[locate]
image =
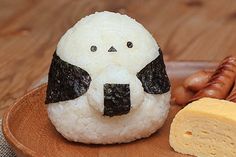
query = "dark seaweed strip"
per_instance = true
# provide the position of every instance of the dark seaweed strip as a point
(116, 99)
(65, 81)
(153, 76)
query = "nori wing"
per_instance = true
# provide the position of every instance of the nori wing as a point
(65, 81)
(116, 99)
(154, 77)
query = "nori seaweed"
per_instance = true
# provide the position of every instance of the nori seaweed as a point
(116, 99)
(112, 49)
(129, 44)
(153, 76)
(65, 81)
(93, 48)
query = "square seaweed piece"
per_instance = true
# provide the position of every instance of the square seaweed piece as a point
(116, 99)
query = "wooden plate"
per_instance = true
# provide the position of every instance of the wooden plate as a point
(30, 133)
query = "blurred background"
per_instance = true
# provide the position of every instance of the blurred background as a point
(30, 29)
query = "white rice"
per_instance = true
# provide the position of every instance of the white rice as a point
(82, 119)
(77, 121)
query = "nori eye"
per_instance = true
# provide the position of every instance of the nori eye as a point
(93, 48)
(129, 44)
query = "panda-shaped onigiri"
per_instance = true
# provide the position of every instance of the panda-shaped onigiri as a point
(107, 81)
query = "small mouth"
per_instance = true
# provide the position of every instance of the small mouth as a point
(112, 49)
(116, 99)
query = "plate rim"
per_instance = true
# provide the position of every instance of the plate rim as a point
(16, 145)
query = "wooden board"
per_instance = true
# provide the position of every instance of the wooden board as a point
(30, 133)
(30, 30)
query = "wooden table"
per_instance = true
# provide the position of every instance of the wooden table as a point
(30, 30)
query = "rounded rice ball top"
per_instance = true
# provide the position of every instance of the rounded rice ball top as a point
(87, 43)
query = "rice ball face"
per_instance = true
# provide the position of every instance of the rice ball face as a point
(107, 81)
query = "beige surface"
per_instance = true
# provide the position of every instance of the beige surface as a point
(30, 29)
(5, 149)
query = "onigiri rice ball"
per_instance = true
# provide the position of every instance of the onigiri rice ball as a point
(107, 81)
